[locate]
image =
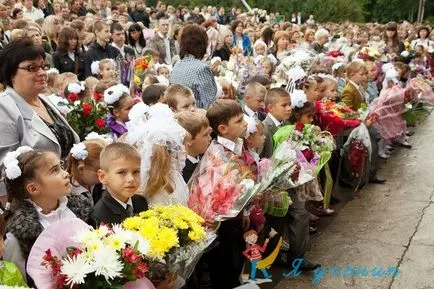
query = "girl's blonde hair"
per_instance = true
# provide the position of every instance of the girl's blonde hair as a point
(159, 172)
(104, 62)
(48, 26)
(94, 149)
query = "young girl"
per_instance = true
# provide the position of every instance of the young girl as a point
(338, 72)
(53, 76)
(310, 88)
(163, 70)
(331, 90)
(260, 48)
(38, 187)
(82, 166)
(372, 88)
(104, 69)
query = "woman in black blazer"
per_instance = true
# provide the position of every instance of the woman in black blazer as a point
(68, 57)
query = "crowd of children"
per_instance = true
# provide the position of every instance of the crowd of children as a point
(157, 137)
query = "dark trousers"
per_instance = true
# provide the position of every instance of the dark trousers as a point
(226, 261)
(296, 223)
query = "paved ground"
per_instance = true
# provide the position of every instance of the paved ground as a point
(386, 226)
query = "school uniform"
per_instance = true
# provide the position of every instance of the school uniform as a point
(93, 196)
(271, 125)
(190, 165)
(109, 210)
(259, 115)
(352, 96)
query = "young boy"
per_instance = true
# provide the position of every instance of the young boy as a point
(120, 173)
(180, 98)
(352, 95)
(254, 100)
(154, 94)
(226, 118)
(278, 103)
(197, 140)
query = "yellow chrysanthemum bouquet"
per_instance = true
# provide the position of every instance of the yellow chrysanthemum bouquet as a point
(176, 236)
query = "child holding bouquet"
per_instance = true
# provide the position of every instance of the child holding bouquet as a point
(38, 187)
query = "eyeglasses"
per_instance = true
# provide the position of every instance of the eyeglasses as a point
(35, 68)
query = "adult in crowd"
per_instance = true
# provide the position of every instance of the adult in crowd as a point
(100, 49)
(240, 39)
(47, 7)
(78, 26)
(118, 37)
(282, 44)
(321, 38)
(27, 118)
(76, 8)
(136, 39)
(309, 37)
(50, 32)
(33, 32)
(422, 38)
(190, 70)
(68, 56)
(394, 46)
(140, 14)
(224, 50)
(163, 42)
(267, 36)
(31, 12)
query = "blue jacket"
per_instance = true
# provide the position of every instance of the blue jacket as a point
(247, 45)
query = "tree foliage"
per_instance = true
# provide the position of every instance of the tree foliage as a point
(330, 10)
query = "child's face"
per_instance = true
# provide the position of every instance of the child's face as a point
(186, 104)
(108, 71)
(281, 110)
(121, 113)
(200, 143)
(255, 102)
(256, 140)
(312, 92)
(359, 77)
(164, 71)
(260, 50)
(320, 90)
(88, 174)
(372, 72)
(306, 118)
(235, 128)
(122, 179)
(51, 182)
(331, 90)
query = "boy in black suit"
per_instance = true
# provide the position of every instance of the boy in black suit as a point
(120, 173)
(197, 140)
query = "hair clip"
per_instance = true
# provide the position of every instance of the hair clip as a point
(114, 93)
(12, 169)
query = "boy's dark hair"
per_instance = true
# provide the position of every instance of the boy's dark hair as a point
(221, 111)
(297, 112)
(152, 94)
(116, 151)
(274, 93)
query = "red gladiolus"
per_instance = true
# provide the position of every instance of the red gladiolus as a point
(55, 268)
(308, 154)
(75, 253)
(60, 281)
(48, 257)
(141, 270)
(100, 123)
(97, 96)
(299, 126)
(73, 97)
(130, 256)
(87, 108)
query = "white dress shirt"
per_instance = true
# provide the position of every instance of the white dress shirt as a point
(250, 112)
(121, 49)
(124, 205)
(235, 147)
(193, 160)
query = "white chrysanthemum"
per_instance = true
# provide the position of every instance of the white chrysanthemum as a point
(116, 242)
(298, 98)
(114, 93)
(107, 264)
(12, 171)
(76, 269)
(79, 151)
(74, 87)
(141, 243)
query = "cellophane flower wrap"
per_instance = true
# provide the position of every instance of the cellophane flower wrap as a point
(176, 237)
(222, 185)
(334, 117)
(71, 254)
(85, 116)
(313, 146)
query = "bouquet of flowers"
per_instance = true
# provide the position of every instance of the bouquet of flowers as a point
(176, 239)
(423, 88)
(73, 255)
(313, 146)
(221, 185)
(334, 117)
(299, 57)
(86, 116)
(142, 66)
